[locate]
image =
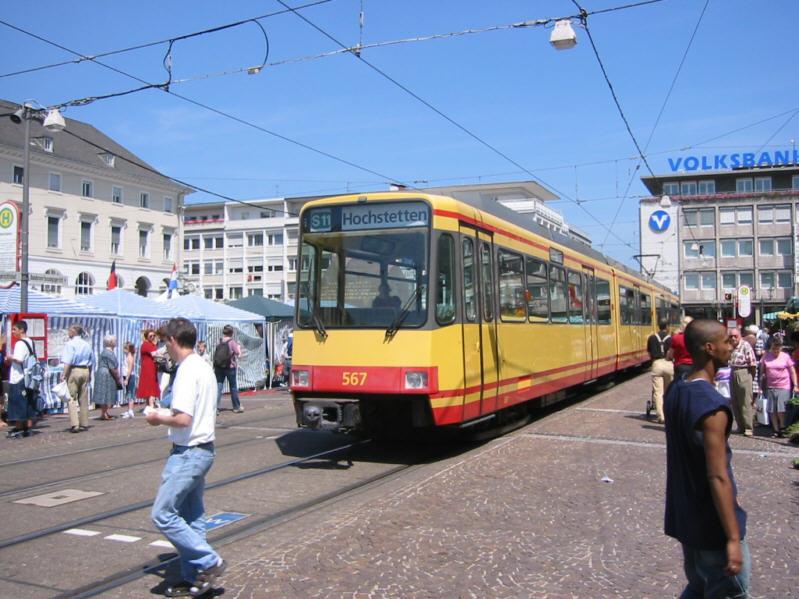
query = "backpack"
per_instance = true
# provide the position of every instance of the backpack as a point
(663, 343)
(222, 355)
(32, 369)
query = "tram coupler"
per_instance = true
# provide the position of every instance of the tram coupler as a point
(322, 414)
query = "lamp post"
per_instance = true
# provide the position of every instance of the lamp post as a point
(52, 121)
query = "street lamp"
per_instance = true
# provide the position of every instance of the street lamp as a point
(52, 121)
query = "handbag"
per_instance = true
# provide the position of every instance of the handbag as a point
(61, 391)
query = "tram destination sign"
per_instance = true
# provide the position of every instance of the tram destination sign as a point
(364, 217)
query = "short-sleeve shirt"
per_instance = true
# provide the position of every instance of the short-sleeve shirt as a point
(691, 515)
(679, 351)
(21, 352)
(194, 393)
(743, 355)
(77, 352)
(658, 344)
(777, 370)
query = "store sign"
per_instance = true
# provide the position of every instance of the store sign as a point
(659, 221)
(744, 301)
(9, 236)
(716, 162)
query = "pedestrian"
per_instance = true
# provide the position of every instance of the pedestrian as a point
(678, 353)
(778, 379)
(148, 377)
(178, 507)
(165, 367)
(658, 346)
(225, 360)
(21, 408)
(202, 351)
(3, 381)
(129, 376)
(702, 510)
(107, 381)
(743, 364)
(78, 360)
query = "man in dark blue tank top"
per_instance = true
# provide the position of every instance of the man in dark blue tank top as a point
(702, 510)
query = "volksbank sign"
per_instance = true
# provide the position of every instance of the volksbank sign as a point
(716, 162)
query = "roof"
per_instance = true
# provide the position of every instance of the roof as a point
(195, 307)
(70, 148)
(47, 304)
(268, 308)
(126, 303)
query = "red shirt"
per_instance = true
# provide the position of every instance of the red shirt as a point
(680, 352)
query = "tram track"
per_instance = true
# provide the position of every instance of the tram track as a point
(132, 507)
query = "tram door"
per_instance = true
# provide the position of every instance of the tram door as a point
(479, 326)
(590, 319)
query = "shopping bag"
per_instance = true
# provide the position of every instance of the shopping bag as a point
(761, 411)
(61, 391)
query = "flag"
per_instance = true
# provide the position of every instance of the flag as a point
(112, 278)
(173, 282)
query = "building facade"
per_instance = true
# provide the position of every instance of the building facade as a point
(233, 250)
(723, 230)
(90, 207)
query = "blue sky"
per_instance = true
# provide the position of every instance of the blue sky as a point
(549, 111)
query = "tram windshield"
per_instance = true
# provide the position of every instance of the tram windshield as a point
(367, 277)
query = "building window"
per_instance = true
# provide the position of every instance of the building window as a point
(692, 281)
(55, 182)
(782, 214)
(745, 247)
(168, 248)
(236, 293)
(87, 188)
(743, 214)
(784, 247)
(708, 280)
(688, 188)
(144, 199)
(116, 239)
(762, 183)
(85, 236)
(19, 175)
(275, 239)
(728, 248)
(84, 284)
(235, 240)
(728, 280)
(267, 213)
(746, 278)
(144, 243)
(766, 280)
(795, 182)
(727, 216)
(116, 195)
(52, 287)
(292, 265)
(255, 239)
(257, 291)
(53, 231)
(191, 243)
(785, 280)
(168, 204)
(46, 143)
(704, 217)
(671, 189)
(743, 185)
(214, 243)
(108, 159)
(766, 247)
(699, 249)
(274, 267)
(707, 187)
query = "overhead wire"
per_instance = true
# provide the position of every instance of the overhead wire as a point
(446, 117)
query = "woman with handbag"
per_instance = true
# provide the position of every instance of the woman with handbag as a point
(107, 381)
(779, 377)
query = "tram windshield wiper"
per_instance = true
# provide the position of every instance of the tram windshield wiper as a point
(403, 313)
(318, 325)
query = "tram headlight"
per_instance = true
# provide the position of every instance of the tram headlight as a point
(300, 378)
(415, 379)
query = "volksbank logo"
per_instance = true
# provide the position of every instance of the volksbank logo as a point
(659, 221)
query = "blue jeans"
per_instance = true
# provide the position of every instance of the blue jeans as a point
(230, 375)
(178, 508)
(706, 578)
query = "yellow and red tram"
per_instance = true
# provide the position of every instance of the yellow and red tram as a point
(417, 310)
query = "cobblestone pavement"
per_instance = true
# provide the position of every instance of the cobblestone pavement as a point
(527, 515)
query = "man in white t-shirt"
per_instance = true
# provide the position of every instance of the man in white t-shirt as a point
(20, 409)
(178, 508)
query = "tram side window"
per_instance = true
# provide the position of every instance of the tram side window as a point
(575, 297)
(445, 292)
(511, 288)
(590, 298)
(306, 291)
(557, 293)
(603, 315)
(537, 290)
(469, 297)
(646, 308)
(637, 307)
(662, 309)
(626, 304)
(487, 282)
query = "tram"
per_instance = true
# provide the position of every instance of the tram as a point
(419, 311)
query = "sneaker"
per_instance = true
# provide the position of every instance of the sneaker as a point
(206, 578)
(238, 410)
(748, 433)
(182, 589)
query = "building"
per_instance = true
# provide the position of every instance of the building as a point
(237, 249)
(722, 230)
(90, 207)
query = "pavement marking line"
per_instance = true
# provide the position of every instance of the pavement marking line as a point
(601, 441)
(164, 544)
(82, 532)
(638, 412)
(122, 538)
(57, 498)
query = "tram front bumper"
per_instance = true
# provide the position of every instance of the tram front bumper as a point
(326, 414)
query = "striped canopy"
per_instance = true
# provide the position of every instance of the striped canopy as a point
(45, 304)
(129, 304)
